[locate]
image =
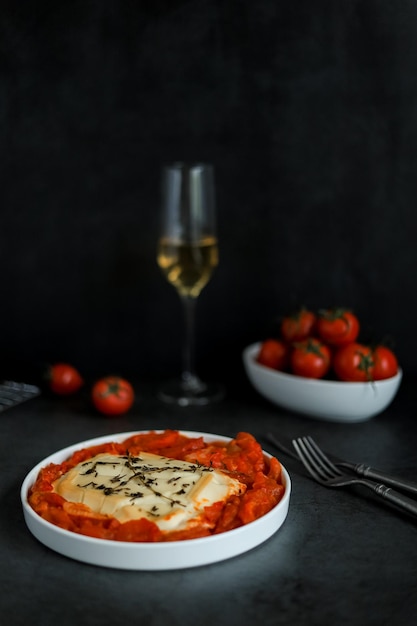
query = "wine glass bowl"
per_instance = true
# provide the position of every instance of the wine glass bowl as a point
(188, 266)
(187, 255)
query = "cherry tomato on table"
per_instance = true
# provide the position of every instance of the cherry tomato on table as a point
(354, 363)
(310, 358)
(298, 326)
(273, 353)
(64, 379)
(337, 326)
(385, 363)
(112, 395)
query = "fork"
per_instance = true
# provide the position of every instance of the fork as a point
(326, 473)
(358, 468)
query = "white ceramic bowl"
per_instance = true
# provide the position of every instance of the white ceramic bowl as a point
(150, 556)
(328, 400)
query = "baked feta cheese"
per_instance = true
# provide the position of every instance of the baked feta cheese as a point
(168, 492)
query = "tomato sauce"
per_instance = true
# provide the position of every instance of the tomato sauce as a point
(241, 457)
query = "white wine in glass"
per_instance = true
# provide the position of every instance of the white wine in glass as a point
(187, 255)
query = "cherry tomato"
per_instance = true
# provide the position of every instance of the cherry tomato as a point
(298, 326)
(310, 358)
(64, 379)
(354, 363)
(337, 327)
(112, 395)
(273, 353)
(385, 363)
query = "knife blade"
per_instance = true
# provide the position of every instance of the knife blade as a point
(358, 468)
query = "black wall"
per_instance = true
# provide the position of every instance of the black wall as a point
(308, 111)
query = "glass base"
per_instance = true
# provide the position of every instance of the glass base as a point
(191, 392)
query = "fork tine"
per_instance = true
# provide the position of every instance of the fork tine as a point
(306, 459)
(314, 459)
(321, 457)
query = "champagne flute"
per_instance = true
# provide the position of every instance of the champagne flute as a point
(187, 255)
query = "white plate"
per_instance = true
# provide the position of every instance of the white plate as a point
(150, 556)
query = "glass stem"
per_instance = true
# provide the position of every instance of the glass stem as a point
(189, 305)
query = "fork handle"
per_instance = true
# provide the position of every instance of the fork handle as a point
(393, 496)
(374, 474)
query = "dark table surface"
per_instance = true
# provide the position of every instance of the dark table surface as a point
(341, 557)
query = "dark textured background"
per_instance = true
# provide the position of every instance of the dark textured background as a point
(308, 111)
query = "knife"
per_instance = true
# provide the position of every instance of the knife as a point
(359, 468)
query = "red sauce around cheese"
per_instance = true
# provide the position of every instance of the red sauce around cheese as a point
(241, 458)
